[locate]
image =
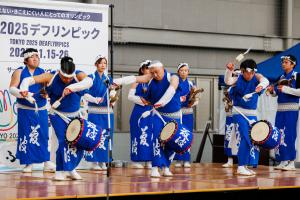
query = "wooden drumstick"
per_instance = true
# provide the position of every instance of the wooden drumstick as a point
(57, 102)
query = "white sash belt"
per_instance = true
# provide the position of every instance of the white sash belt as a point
(175, 115)
(99, 110)
(246, 112)
(288, 107)
(186, 111)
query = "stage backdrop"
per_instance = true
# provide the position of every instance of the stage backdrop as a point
(56, 29)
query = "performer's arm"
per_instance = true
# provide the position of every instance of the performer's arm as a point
(229, 79)
(14, 82)
(92, 99)
(134, 98)
(168, 95)
(289, 90)
(85, 82)
(127, 80)
(263, 82)
(42, 78)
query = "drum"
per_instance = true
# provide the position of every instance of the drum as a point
(176, 137)
(83, 134)
(265, 135)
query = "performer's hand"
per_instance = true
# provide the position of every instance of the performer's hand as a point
(279, 87)
(258, 89)
(24, 93)
(230, 66)
(67, 91)
(99, 100)
(145, 102)
(157, 105)
(270, 89)
(182, 98)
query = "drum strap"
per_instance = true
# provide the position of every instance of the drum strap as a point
(62, 115)
(30, 108)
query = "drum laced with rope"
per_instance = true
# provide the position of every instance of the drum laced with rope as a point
(83, 134)
(176, 137)
(263, 134)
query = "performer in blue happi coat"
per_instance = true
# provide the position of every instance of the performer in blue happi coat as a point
(230, 148)
(246, 83)
(98, 111)
(68, 84)
(164, 94)
(140, 128)
(186, 108)
(287, 113)
(33, 133)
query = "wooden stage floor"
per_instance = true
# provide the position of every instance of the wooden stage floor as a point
(126, 182)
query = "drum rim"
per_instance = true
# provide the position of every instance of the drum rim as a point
(172, 135)
(269, 135)
(80, 133)
(74, 142)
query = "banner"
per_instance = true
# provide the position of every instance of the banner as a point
(56, 29)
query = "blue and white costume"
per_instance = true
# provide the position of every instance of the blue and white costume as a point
(171, 111)
(229, 137)
(141, 130)
(97, 113)
(33, 133)
(187, 114)
(247, 153)
(67, 157)
(286, 121)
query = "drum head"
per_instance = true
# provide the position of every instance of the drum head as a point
(167, 131)
(73, 130)
(260, 131)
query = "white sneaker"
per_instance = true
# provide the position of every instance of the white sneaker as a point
(60, 176)
(242, 170)
(167, 172)
(154, 172)
(148, 165)
(95, 166)
(187, 164)
(289, 167)
(227, 165)
(136, 165)
(178, 164)
(27, 168)
(49, 166)
(252, 171)
(281, 165)
(103, 165)
(74, 175)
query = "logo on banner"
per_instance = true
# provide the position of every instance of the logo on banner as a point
(8, 113)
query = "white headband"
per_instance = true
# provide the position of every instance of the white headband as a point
(67, 75)
(155, 63)
(146, 62)
(250, 69)
(183, 64)
(29, 54)
(99, 57)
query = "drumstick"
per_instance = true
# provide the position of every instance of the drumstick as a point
(249, 121)
(246, 97)
(242, 55)
(57, 102)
